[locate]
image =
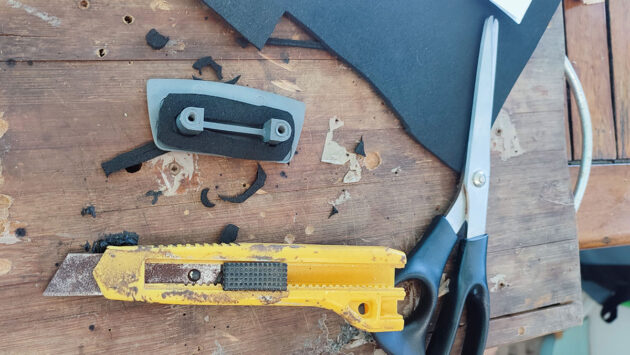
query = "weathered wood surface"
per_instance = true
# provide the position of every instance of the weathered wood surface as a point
(603, 216)
(66, 113)
(619, 12)
(587, 48)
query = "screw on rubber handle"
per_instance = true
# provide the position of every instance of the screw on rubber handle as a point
(425, 263)
(470, 290)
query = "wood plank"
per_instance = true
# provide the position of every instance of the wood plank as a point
(619, 14)
(588, 52)
(194, 29)
(65, 117)
(603, 216)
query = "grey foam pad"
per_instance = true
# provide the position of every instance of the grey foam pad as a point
(253, 276)
(420, 56)
(221, 143)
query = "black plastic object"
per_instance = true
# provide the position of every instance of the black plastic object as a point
(251, 276)
(261, 177)
(136, 156)
(425, 263)
(420, 56)
(229, 234)
(223, 143)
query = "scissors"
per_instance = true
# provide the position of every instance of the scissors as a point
(465, 217)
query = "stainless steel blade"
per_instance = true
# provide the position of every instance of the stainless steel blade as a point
(74, 277)
(476, 177)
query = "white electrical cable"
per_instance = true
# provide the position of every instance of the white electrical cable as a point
(587, 132)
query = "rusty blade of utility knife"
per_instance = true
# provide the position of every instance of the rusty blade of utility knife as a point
(74, 277)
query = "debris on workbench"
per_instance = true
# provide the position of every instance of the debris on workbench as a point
(204, 198)
(229, 234)
(360, 148)
(283, 174)
(155, 39)
(334, 153)
(208, 61)
(194, 77)
(11, 62)
(284, 42)
(372, 160)
(234, 80)
(117, 239)
(89, 211)
(333, 211)
(131, 158)
(155, 194)
(261, 176)
(20, 232)
(343, 198)
(396, 170)
(86, 246)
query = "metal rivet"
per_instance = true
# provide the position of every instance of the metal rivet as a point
(194, 275)
(479, 178)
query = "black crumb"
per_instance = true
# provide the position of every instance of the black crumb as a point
(333, 212)
(296, 152)
(234, 80)
(261, 177)
(216, 187)
(91, 327)
(277, 186)
(206, 18)
(30, 62)
(285, 57)
(196, 77)
(11, 62)
(242, 41)
(155, 195)
(283, 174)
(204, 198)
(86, 246)
(89, 211)
(208, 61)
(155, 39)
(360, 148)
(229, 234)
(20, 232)
(117, 239)
(57, 264)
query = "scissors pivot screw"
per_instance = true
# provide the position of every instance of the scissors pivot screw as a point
(479, 178)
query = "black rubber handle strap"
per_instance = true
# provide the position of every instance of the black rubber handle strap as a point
(468, 290)
(425, 263)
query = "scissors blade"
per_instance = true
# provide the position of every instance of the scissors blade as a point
(476, 176)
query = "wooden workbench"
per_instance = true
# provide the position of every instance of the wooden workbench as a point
(76, 96)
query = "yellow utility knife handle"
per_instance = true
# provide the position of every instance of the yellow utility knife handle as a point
(356, 282)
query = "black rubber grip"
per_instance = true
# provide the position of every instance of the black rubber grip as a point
(252, 276)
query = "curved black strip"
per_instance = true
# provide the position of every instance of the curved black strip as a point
(204, 198)
(261, 176)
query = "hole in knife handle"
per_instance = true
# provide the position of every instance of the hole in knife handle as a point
(363, 308)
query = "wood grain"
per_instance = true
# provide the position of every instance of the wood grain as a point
(588, 52)
(65, 116)
(619, 14)
(603, 215)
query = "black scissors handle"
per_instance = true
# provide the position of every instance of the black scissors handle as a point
(425, 263)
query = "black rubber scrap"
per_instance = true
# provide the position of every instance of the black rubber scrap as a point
(136, 156)
(333, 211)
(229, 234)
(117, 239)
(155, 195)
(89, 211)
(155, 39)
(234, 80)
(204, 198)
(261, 176)
(360, 148)
(208, 62)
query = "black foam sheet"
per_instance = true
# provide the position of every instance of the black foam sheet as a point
(420, 56)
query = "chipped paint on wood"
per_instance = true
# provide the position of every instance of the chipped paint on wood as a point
(309, 230)
(51, 20)
(160, 5)
(498, 282)
(504, 138)
(177, 173)
(275, 62)
(334, 153)
(7, 228)
(286, 85)
(343, 197)
(372, 160)
(5, 266)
